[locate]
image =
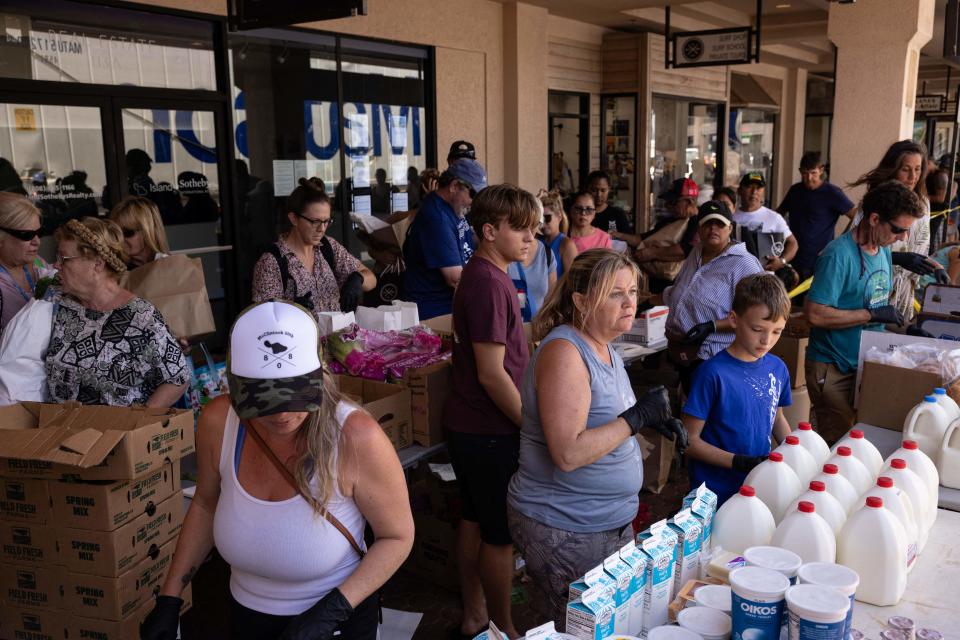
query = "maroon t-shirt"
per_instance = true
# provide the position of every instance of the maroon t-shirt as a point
(485, 309)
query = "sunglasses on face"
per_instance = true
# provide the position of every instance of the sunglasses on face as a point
(316, 224)
(547, 217)
(129, 233)
(897, 230)
(470, 190)
(22, 234)
(584, 210)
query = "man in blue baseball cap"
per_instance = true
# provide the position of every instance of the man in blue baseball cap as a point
(440, 241)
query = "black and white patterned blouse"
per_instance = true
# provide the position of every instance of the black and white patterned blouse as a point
(116, 358)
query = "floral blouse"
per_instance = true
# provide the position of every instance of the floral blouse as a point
(116, 358)
(324, 283)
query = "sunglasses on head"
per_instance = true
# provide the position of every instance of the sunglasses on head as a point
(22, 234)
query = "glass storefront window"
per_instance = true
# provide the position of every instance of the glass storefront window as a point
(619, 157)
(683, 144)
(750, 145)
(569, 116)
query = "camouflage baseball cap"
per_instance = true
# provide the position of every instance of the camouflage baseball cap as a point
(274, 363)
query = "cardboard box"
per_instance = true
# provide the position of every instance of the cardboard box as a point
(126, 629)
(434, 554)
(793, 352)
(799, 411)
(24, 499)
(105, 506)
(32, 586)
(797, 326)
(429, 387)
(649, 327)
(441, 325)
(28, 543)
(941, 300)
(389, 404)
(887, 394)
(940, 327)
(57, 441)
(111, 553)
(33, 624)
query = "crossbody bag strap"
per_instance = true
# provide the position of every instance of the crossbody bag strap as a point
(285, 472)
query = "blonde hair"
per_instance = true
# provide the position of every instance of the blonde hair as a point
(97, 238)
(318, 440)
(16, 212)
(552, 201)
(592, 274)
(142, 215)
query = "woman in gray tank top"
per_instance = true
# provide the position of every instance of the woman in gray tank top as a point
(572, 500)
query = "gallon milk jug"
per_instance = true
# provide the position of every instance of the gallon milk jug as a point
(839, 487)
(910, 483)
(799, 459)
(898, 503)
(873, 544)
(852, 469)
(948, 463)
(926, 423)
(812, 442)
(742, 521)
(806, 534)
(863, 450)
(947, 403)
(827, 507)
(919, 463)
(775, 483)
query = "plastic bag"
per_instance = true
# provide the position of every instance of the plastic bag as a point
(920, 357)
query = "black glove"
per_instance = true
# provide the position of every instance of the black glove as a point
(942, 276)
(351, 293)
(651, 410)
(319, 621)
(700, 332)
(744, 463)
(915, 262)
(887, 314)
(915, 330)
(673, 429)
(163, 621)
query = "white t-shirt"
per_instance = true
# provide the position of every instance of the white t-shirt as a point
(765, 219)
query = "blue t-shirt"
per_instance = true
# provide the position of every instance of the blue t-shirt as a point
(813, 216)
(437, 238)
(738, 403)
(847, 278)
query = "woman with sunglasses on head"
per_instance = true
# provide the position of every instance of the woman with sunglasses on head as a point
(307, 266)
(553, 232)
(20, 266)
(144, 238)
(584, 235)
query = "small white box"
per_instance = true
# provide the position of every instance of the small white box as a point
(649, 327)
(333, 321)
(410, 314)
(383, 318)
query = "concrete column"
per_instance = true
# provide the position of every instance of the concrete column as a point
(878, 52)
(525, 95)
(792, 114)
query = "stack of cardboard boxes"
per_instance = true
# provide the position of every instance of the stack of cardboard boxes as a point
(792, 349)
(90, 510)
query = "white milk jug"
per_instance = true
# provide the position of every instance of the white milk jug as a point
(799, 459)
(948, 462)
(839, 487)
(911, 484)
(852, 469)
(873, 544)
(898, 503)
(863, 450)
(918, 462)
(812, 442)
(775, 483)
(742, 521)
(949, 404)
(827, 507)
(806, 534)
(926, 423)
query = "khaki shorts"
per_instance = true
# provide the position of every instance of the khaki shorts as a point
(831, 394)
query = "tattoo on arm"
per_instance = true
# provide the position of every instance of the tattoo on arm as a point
(188, 576)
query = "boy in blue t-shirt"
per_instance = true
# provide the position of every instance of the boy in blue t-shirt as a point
(736, 397)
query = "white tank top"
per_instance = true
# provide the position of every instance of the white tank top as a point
(283, 556)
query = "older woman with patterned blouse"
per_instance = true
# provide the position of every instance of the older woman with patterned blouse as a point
(107, 346)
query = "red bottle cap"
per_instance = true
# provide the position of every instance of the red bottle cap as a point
(910, 445)
(856, 433)
(898, 463)
(792, 440)
(816, 485)
(831, 469)
(875, 502)
(748, 491)
(885, 482)
(844, 451)
(776, 456)
(805, 426)
(806, 507)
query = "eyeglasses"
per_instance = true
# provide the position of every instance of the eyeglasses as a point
(22, 234)
(129, 233)
(470, 190)
(62, 259)
(897, 230)
(584, 210)
(316, 224)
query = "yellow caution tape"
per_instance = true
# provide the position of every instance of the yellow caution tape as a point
(803, 287)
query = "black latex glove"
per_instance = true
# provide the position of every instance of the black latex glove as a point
(887, 314)
(915, 330)
(673, 429)
(651, 410)
(745, 464)
(351, 293)
(942, 276)
(163, 621)
(915, 262)
(319, 621)
(699, 332)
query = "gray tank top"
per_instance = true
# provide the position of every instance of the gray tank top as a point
(597, 497)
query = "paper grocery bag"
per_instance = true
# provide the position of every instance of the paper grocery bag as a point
(176, 287)
(656, 465)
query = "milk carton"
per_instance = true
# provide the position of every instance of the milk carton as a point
(638, 582)
(668, 538)
(704, 511)
(591, 617)
(595, 577)
(689, 533)
(621, 573)
(657, 596)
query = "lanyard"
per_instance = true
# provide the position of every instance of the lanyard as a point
(30, 283)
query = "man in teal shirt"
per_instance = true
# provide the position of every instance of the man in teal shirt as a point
(851, 292)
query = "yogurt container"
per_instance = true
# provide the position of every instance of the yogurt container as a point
(817, 612)
(672, 632)
(709, 623)
(713, 596)
(843, 579)
(780, 560)
(757, 602)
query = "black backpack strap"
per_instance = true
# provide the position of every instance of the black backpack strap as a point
(549, 254)
(326, 250)
(281, 259)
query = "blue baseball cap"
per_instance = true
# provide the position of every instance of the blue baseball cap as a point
(469, 171)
